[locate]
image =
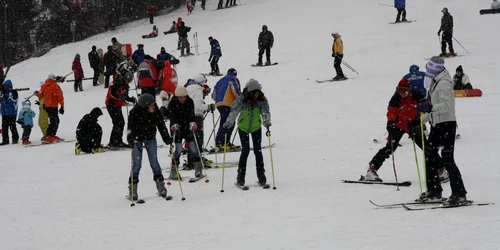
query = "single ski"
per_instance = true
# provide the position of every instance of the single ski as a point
(139, 201)
(468, 204)
(361, 181)
(195, 179)
(332, 80)
(446, 56)
(263, 65)
(408, 21)
(244, 188)
(397, 205)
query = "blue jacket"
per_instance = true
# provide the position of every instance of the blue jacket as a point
(9, 100)
(399, 3)
(226, 90)
(215, 51)
(138, 56)
(416, 79)
(27, 115)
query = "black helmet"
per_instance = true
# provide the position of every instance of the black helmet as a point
(232, 71)
(264, 27)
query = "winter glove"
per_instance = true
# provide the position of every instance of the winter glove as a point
(168, 140)
(391, 127)
(35, 92)
(210, 59)
(424, 108)
(37, 102)
(174, 127)
(61, 111)
(131, 99)
(211, 107)
(193, 126)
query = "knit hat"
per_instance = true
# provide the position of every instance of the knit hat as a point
(434, 66)
(252, 85)
(96, 112)
(404, 83)
(414, 68)
(181, 91)
(145, 100)
(460, 69)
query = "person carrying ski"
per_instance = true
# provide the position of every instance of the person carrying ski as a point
(215, 54)
(109, 60)
(338, 54)
(95, 62)
(447, 29)
(53, 99)
(226, 91)
(183, 126)
(183, 36)
(265, 42)
(116, 98)
(8, 106)
(78, 72)
(461, 80)
(143, 121)
(147, 76)
(400, 5)
(252, 110)
(440, 112)
(402, 118)
(25, 118)
(89, 133)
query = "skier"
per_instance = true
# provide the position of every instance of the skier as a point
(416, 78)
(461, 80)
(109, 60)
(117, 48)
(402, 117)
(265, 42)
(151, 13)
(25, 118)
(226, 91)
(147, 76)
(164, 56)
(143, 121)
(178, 25)
(230, 3)
(203, 3)
(219, 6)
(400, 5)
(495, 4)
(441, 114)
(115, 99)
(183, 126)
(447, 29)
(78, 72)
(89, 133)
(189, 6)
(8, 105)
(338, 54)
(43, 117)
(215, 54)
(95, 61)
(153, 34)
(252, 108)
(53, 99)
(183, 36)
(197, 89)
(168, 80)
(138, 55)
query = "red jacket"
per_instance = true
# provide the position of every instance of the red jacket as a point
(401, 109)
(147, 74)
(77, 69)
(152, 10)
(117, 93)
(168, 75)
(178, 24)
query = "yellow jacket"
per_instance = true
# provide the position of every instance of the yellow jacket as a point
(338, 46)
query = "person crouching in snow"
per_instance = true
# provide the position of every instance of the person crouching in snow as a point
(252, 108)
(25, 118)
(89, 133)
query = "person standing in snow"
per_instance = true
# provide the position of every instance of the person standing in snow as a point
(495, 4)
(117, 48)
(252, 110)
(168, 79)
(226, 91)
(416, 78)
(183, 36)
(53, 99)
(440, 111)
(138, 55)
(178, 25)
(265, 42)
(461, 80)
(147, 76)
(230, 3)
(215, 54)
(25, 118)
(89, 133)
(110, 60)
(115, 99)
(183, 125)
(447, 29)
(95, 61)
(400, 5)
(338, 54)
(143, 121)
(8, 106)
(151, 13)
(78, 72)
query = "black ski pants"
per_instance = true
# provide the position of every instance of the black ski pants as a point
(447, 38)
(26, 132)
(91, 139)
(96, 76)
(401, 11)
(221, 2)
(266, 49)
(442, 137)
(214, 64)
(118, 124)
(9, 122)
(78, 85)
(336, 65)
(53, 121)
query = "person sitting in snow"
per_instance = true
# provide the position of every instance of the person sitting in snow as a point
(461, 80)
(89, 133)
(152, 34)
(172, 29)
(25, 118)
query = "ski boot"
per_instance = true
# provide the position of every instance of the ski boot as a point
(259, 63)
(174, 172)
(78, 149)
(98, 149)
(132, 190)
(452, 53)
(160, 186)
(371, 174)
(198, 169)
(240, 178)
(456, 200)
(261, 175)
(427, 197)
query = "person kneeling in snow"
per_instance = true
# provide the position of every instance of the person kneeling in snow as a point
(89, 133)
(461, 80)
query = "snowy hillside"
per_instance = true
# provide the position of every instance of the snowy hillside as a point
(52, 199)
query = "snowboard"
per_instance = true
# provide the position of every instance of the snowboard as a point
(101, 74)
(263, 65)
(468, 93)
(489, 11)
(408, 21)
(446, 56)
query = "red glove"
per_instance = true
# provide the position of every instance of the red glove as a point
(192, 126)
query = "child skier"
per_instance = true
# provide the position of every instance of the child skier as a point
(25, 118)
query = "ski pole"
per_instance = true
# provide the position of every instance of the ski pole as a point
(215, 141)
(394, 163)
(223, 163)
(460, 44)
(234, 137)
(213, 130)
(416, 161)
(387, 5)
(201, 158)
(268, 134)
(349, 66)
(423, 149)
(131, 195)
(172, 152)
(27, 98)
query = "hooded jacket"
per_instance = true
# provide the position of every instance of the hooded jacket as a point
(88, 125)
(442, 98)
(9, 100)
(26, 114)
(226, 90)
(52, 94)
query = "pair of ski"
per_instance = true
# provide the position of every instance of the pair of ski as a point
(332, 80)
(246, 188)
(142, 201)
(363, 181)
(45, 143)
(440, 205)
(212, 149)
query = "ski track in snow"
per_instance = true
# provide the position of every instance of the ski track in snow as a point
(52, 199)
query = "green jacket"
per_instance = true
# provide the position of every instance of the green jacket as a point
(251, 115)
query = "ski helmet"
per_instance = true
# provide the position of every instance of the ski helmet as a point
(200, 78)
(232, 71)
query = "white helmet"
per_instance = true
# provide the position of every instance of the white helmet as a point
(200, 78)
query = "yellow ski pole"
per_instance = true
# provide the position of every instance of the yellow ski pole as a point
(223, 162)
(423, 149)
(172, 152)
(416, 161)
(268, 134)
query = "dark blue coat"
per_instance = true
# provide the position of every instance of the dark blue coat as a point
(416, 79)
(9, 100)
(399, 3)
(215, 51)
(138, 56)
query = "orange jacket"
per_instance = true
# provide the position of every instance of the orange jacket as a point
(52, 94)
(169, 78)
